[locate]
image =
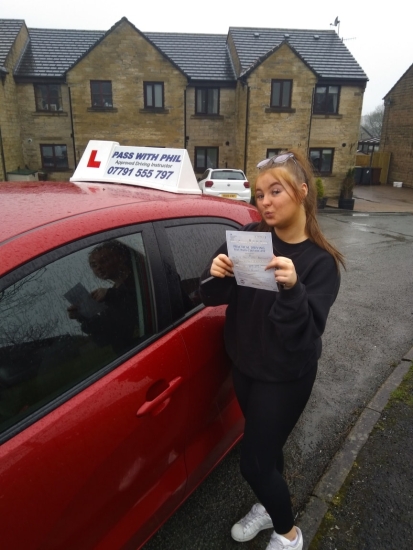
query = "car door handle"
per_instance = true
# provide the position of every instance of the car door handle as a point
(149, 406)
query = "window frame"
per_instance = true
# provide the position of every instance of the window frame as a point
(321, 149)
(277, 151)
(161, 301)
(39, 97)
(146, 87)
(325, 110)
(100, 94)
(177, 306)
(203, 168)
(281, 81)
(55, 168)
(207, 90)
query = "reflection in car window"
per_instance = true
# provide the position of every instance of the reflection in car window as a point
(192, 246)
(70, 319)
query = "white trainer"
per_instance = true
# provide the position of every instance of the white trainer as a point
(250, 525)
(278, 542)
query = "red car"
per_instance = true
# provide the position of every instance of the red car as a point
(115, 391)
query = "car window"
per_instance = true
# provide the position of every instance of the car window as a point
(68, 320)
(227, 175)
(192, 247)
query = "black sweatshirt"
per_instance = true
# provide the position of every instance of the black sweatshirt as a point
(276, 336)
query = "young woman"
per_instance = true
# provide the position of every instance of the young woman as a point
(274, 338)
(117, 323)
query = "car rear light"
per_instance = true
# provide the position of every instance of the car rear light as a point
(246, 184)
(209, 183)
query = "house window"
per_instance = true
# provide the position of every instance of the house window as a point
(326, 99)
(281, 93)
(322, 160)
(54, 157)
(207, 101)
(48, 97)
(206, 157)
(368, 147)
(153, 95)
(272, 153)
(101, 92)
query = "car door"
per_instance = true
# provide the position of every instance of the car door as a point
(216, 422)
(93, 400)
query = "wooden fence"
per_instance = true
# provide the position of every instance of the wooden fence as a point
(376, 160)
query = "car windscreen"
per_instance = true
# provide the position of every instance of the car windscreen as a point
(227, 175)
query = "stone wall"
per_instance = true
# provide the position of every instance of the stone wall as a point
(128, 60)
(9, 112)
(339, 132)
(234, 54)
(244, 129)
(241, 102)
(397, 130)
(297, 127)
(279, 129)
(214, 130)
(45, 128)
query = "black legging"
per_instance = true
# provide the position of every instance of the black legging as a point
(271, 411)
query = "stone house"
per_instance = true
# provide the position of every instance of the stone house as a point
(230, 100)
(397, 129)
(13, 37)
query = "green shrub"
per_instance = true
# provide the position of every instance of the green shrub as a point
(320, 188)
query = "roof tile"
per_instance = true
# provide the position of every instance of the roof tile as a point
(51, 52)
(9, 29)
(327, 55)
(200, 56)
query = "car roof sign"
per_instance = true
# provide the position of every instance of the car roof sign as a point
(154, 167)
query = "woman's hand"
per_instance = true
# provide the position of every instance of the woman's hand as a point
(73, 312)
(99, 294)
(284, 271)
(222, 266)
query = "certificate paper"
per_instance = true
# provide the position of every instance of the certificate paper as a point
(251, 252)
(86, 305)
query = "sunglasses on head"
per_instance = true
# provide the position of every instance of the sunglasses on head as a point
(279, 159)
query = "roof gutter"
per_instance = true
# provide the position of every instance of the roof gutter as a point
(3, 161)
(247, 113)
(72, 126)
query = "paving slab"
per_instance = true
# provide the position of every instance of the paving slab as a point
(379, 198)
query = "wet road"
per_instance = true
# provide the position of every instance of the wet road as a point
(369, 329)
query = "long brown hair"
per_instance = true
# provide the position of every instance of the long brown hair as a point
(295, 171)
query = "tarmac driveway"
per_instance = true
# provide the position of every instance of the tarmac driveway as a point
(369, 329)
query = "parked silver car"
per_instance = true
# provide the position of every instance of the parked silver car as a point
(225, 182)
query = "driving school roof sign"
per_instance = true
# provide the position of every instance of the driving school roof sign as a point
(154, 167)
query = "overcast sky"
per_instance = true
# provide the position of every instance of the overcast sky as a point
(379, 35)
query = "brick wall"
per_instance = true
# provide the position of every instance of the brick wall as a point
(127, 59)
(9, 111)
(397, 130)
